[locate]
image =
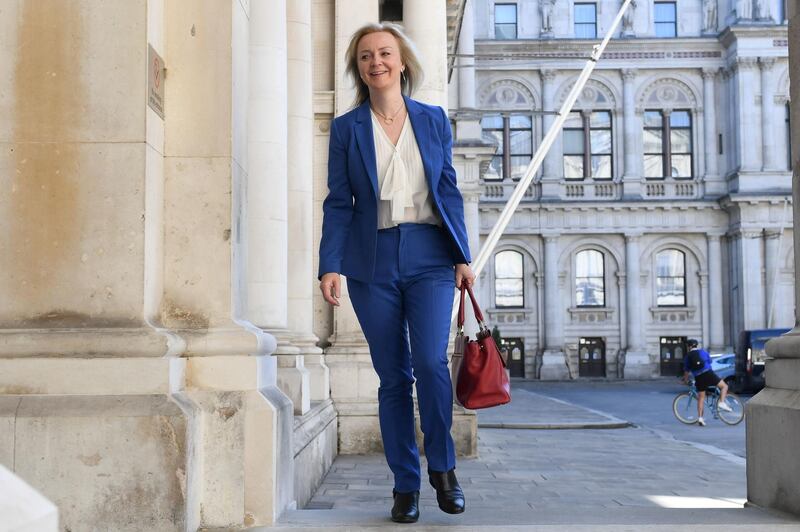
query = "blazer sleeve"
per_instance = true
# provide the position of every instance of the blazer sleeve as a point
(337, 209)
(449, 186)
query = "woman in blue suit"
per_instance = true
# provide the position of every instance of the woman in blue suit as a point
(393, 224)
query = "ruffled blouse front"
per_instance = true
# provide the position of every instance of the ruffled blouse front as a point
(404, 193)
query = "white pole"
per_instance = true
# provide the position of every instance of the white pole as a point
(555, 129)
(777, 264)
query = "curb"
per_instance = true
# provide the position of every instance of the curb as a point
(558, 426)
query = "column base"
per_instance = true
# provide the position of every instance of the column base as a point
(639, 366)
(773, 430)
(360, 432)
(315, 448)
(554, 366)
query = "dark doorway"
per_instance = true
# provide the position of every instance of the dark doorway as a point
(672, 350)
(515, 352)
(591, 357)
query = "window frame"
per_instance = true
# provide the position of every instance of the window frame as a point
(602, 277)
(587, 128)
(661, 23)
(684, 277)
(505, 154)
(498, 35)
(576, 24)
(521, 278)
(667, 152)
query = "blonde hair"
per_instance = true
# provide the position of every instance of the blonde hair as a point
(412, 76)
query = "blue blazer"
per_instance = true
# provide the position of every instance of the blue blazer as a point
(350, 212)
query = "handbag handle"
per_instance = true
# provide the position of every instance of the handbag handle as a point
(475, 308)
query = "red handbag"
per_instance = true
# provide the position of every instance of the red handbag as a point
(479, 370)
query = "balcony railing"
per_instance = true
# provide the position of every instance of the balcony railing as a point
(591, 190)
(501, 191)
(671, 189)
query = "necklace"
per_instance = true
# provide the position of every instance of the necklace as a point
(388, 119)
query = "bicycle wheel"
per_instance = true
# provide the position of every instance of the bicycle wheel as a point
(684, 406)
(736, 415)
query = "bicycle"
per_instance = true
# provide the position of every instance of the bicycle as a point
(684, 406)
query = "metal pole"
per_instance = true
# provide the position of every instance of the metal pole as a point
(536, 162)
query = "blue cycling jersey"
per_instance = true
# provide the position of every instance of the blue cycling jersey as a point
(706, 363)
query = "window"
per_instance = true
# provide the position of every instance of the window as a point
(508, 286)
(585, 21)
(666, 19)
(781, 13)
(670, 278)
(591, 129)
(514, 131)
(505, 21)
(667, 144)
(589, 279)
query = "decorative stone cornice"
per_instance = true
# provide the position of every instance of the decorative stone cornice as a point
(710, 73)
(628, 74)
(766, 63)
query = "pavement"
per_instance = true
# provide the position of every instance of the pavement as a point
(555, 465)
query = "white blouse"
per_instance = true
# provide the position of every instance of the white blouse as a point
(404, 193)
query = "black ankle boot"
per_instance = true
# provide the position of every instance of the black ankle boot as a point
(406, 507)
(448, 492)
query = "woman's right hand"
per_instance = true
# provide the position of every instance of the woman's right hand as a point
(330, 285)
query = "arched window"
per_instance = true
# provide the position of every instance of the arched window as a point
(508, 276)
(670, 278)
(590, 290)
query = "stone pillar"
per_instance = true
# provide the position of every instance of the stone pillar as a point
(466, 72)
(715, 274)
(554, 363)
(631, 134)
(348, 17)
(552, 165)
(309, 363)
(753, 316)
(124, 288)
(702, 277)
(468, 126)
(772, 238)
(773, 415)
(713, 184)
(426, 24)
(749, 130)
(770, 150)
(637, 361)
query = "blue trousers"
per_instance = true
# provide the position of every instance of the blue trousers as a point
(405, 315)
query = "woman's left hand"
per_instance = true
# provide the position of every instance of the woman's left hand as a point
(464, 273)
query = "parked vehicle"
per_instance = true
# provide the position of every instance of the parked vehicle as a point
(750, 355)
(725, 366)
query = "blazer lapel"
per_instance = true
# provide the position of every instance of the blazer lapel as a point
(420, 123)
(366, 144)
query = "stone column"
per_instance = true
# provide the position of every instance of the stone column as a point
(753, 316)
(348, 17)
(772, 238)
(773, 415)
(715, 274)
(466, 72)
(637, 361)
(714, 186)
(309, 364)
(426, 24)
(770, 150)
(468, 126)
(702, 277)
(631, 134)
(749, 130)
(552, 165)
(554, 363)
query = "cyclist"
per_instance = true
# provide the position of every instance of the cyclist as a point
(698, 363)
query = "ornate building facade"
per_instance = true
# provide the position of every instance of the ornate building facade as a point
(663, 211)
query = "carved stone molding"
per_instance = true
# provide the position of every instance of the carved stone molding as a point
(591, 314)
(547, 74)
(629, 74)
(672, 314)
(710, 73)
(766, 63)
